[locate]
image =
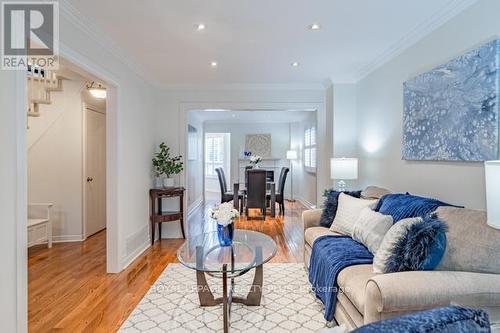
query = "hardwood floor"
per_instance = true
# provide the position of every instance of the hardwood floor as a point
(70, 291)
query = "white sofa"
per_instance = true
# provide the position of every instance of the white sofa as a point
(471, 264)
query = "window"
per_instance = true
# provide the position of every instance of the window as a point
(214, 153)
(310, 149)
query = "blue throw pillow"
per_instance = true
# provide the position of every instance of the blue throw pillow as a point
(331, 205)
(421, 248)
(402, 206)
(440, 320)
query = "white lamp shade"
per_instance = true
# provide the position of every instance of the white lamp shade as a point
(492, 170)
(291, 155)
(344, 168)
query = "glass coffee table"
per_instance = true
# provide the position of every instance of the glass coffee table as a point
(250, 250)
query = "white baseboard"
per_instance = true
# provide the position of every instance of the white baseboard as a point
(67, 238)
(194, 206)
(306, 203)
(132, 256)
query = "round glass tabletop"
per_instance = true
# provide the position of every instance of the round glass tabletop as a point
(249, 249)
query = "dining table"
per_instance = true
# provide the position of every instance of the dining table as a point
(272, 192)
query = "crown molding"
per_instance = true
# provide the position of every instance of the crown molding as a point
(85, 25)
(421, 30)
(241, 86)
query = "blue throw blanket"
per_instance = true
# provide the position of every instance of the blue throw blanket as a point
(451, 319)
(331, 254)
(402, 206)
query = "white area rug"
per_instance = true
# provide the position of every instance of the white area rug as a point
(172, 305)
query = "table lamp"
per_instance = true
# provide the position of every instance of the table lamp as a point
(342, 169)
(291, 155)
(492, 177)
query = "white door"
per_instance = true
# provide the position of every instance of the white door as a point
(95, 170)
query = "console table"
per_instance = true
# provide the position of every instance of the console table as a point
(158, 216)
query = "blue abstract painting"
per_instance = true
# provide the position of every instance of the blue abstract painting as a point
(451, 112)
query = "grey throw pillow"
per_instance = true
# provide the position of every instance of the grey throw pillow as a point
(348, 212)
(370, 229)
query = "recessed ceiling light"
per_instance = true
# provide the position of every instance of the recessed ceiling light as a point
(200, 26)
(213, 63)
(314, 26)
(295, 64)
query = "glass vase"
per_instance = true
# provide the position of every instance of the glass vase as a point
(225, 234)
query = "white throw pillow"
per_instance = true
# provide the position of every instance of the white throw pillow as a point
(370, 228)
(348, 211)
(386, 248)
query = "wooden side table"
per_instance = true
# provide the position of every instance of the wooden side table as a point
(158, 216)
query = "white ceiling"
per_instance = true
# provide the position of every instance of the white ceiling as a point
(255, 41)
(229, 116)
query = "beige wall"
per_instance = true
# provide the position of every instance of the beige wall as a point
(380, 112)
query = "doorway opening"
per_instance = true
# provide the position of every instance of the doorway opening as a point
(66, 143)
(66, 149)
(287, 137)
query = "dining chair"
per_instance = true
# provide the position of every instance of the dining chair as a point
(226, 195)
(280, 193)
(248, 167)
(256, 191)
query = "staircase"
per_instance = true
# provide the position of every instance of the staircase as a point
(40, 84)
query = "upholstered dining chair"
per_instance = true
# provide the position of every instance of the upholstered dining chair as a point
(248, 167)
(225, 195)
(256, 191)
(280, 191)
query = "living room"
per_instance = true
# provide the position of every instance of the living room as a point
(405, 96)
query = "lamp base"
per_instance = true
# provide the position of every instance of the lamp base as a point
(341, 186)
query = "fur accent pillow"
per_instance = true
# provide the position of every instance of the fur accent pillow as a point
(370, 228)
(395, 233)
(410, 245)
(348, 212)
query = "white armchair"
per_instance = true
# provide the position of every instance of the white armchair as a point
(39, 224)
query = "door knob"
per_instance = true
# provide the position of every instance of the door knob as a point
(89, 179)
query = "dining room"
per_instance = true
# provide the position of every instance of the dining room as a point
(268, 158)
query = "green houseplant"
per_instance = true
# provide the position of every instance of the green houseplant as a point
(167, 165)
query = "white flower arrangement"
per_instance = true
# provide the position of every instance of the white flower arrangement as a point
(255, 159)
(224, 214)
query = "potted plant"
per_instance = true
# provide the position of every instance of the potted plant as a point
(255, 160)
(166, 165)
(224, 215)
